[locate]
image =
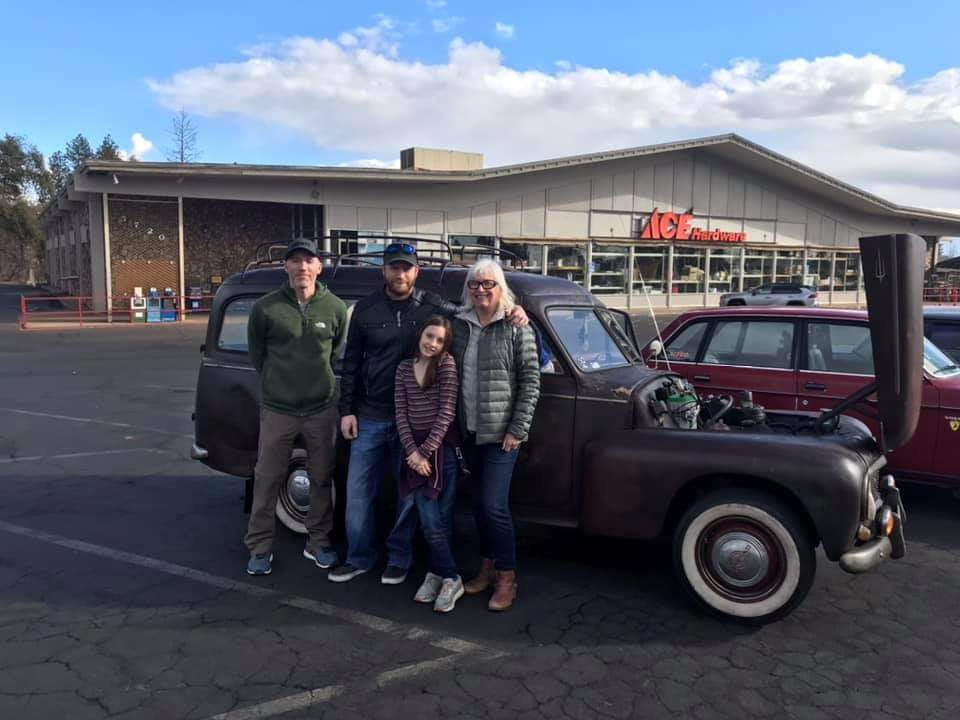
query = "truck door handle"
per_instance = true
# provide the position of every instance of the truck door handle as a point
(814, 386)
(701, 378)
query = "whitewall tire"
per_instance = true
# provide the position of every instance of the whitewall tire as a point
(744, 555)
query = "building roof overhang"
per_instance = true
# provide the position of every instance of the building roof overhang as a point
(730, 147)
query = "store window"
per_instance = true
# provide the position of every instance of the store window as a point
(818, 270)
(688, 269)
(467, 249)
(650, 268)
(527, 257)
(789, 267)
(608, 272)
(567, 261)
(724, 270)
(757, 268)
(846, 271)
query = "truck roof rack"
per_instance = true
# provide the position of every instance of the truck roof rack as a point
(271, 253)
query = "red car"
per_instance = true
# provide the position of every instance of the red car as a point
(809, 359)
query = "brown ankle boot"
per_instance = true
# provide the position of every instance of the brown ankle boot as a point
(484, 579)
(505, 592)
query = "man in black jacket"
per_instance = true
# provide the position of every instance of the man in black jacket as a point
(383, 331)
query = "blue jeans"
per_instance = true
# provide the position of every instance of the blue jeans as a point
(492, 470)
(436, 518)
(376, 448)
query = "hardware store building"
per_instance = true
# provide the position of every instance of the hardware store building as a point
(687, 220)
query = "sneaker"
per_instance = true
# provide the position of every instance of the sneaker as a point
(323, 555)
(260, 564)
(450, 591)
(345, 572)
(393, 575)
(429, 589)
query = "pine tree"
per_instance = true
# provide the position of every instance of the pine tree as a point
(78, 150)
(108, 150)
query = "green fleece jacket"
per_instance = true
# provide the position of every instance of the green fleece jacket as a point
(294, 351)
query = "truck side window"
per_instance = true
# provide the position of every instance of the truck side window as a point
(683, 346)
(233, 329)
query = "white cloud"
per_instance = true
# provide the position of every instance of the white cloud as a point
(850, 116)
(140, 147)
(373, 163)
(436, 4)
(564, 64)
(504, 30)
(442, 25)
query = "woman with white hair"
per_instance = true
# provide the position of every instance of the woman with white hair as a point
(499, 388)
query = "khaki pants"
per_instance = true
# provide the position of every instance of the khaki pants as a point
(277, 433)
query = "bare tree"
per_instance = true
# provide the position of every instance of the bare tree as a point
(183, 139)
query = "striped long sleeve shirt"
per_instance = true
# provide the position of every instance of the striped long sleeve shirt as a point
(420, 410)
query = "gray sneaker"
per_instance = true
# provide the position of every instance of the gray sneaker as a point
(323, 555)
(429, 589)
(260, 564)
(450, 591)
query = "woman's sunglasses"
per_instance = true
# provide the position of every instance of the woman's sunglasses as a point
(485, 284)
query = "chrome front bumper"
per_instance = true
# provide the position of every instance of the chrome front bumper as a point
(867, 556)
(198, 453)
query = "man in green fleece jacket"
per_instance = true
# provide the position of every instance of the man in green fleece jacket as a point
(293, 335)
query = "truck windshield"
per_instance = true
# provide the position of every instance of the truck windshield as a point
(936, 362)
(587, 339)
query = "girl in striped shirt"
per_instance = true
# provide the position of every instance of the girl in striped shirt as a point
(426, 401)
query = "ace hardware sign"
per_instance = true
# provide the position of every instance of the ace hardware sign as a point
(679, 226)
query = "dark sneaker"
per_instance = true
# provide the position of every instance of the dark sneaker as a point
(323, 555)
(260, 564)
(450, 592)
(393, 575)
(345, 573)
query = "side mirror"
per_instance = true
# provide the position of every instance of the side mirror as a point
(656, 347)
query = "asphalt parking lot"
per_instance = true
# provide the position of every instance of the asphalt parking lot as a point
(122, 591)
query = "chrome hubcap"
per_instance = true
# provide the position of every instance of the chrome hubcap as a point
(739, 559)
(298, 489)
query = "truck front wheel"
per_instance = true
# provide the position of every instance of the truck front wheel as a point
(744, 555)
(293, 502)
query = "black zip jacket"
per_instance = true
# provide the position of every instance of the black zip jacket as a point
(380, 336)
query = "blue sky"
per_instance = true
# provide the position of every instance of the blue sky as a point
(867, 91)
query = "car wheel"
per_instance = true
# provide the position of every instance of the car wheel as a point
(744, 555)
(293, 501)
(795, 303)
(736, 303)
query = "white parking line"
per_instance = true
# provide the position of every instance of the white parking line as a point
(152, 430)
(92, 453)
(458, 647)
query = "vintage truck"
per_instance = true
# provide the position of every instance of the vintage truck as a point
(618, 449)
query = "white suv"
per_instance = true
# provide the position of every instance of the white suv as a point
(776, 294)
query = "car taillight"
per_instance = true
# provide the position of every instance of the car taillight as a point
(813, 295)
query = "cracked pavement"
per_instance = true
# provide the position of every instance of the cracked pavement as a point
(601, 630)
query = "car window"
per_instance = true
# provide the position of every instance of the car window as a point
(839, 348)
(785, 289)
(586, 338)
(763, 290)
(946, 336)
(753, 343)
(683, 346)
(547, 355)
(233, 329)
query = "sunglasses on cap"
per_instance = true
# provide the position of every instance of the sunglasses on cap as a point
(485, 284)
(401, 248)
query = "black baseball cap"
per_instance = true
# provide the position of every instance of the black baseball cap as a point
(307, 246)
(400, 252)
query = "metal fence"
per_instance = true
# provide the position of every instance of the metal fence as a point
(84, 311)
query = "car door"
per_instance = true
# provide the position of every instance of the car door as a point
(836, 361)
(761, 296)
(681, 350)
(750, 353)
(543, 479)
